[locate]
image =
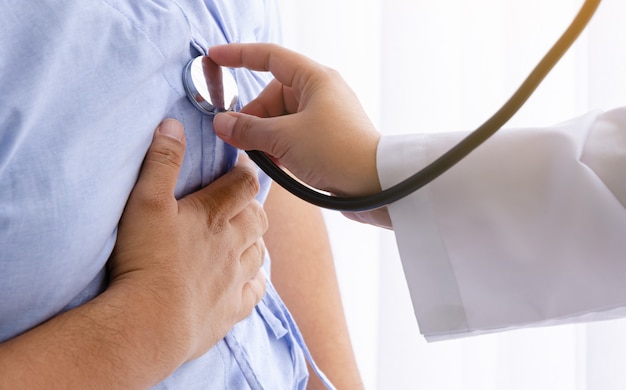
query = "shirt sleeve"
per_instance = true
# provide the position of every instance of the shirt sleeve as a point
(528, 230)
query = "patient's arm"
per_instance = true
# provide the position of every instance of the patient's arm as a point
(304, 275)
(168, 300)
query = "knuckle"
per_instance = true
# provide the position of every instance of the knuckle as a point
(155, 202)
(240, 186)
(254, 219)
(261, 287)
(331, 73)
(261, 216)
(260, 245)
(152, 200)
(278, 147)
(217, 224)
(166, 156)
(209, 211)
(259, 249)
(326, 74)
(247, 179)
(330, 78)
(253, 258)
(256, 289)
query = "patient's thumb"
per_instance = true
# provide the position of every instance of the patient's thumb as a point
(161, 166)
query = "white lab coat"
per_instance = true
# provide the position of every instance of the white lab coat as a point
(528, 230)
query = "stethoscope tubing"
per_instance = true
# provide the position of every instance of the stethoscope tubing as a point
(452, 156)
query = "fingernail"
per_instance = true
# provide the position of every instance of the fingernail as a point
(223, 124)
(172, 128)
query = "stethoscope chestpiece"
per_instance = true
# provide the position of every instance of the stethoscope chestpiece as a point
(210, 87)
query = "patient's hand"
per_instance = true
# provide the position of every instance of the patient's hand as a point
(196, 260)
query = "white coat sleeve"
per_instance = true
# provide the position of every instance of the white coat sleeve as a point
(528, 230)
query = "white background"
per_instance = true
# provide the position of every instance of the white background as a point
(422, 65)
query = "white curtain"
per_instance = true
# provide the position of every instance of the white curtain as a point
(421, 65)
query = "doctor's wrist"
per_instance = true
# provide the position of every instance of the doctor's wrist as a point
(360, 176)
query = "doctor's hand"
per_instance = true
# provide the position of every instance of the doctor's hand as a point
(307, 119)
(195, 261)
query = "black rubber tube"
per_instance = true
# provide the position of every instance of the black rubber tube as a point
(452, 156)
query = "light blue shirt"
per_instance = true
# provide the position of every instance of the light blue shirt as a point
(83, 85)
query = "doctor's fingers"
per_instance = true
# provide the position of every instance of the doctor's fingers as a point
(274, 136)
(290, 68)
(276, 99)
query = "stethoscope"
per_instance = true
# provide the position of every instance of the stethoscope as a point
(212, 89)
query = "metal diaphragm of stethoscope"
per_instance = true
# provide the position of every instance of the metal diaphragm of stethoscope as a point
(212, 89)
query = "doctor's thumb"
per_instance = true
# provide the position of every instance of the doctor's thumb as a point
(246, 132)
